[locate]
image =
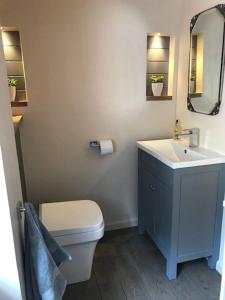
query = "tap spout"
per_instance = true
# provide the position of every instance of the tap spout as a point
(193, 133)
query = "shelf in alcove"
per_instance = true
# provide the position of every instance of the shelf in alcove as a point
(19, 103)
(195, 95)
(158, 98)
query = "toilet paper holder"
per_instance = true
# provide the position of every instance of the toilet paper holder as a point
(104, 147)
(94, 144)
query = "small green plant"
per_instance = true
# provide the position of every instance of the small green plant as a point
(12, 82)
(157, 78)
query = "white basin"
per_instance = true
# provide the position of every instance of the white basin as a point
(177, 154)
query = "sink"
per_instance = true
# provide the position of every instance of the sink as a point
(177, 154)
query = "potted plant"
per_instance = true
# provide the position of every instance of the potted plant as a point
(12, 88)
(157, 84)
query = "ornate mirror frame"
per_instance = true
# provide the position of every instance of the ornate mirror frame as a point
(215, 110)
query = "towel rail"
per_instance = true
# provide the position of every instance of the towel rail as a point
(20, 209)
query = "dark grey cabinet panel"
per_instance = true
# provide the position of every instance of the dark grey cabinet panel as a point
(181, 209)
(147, 202)
(163, 210)
(197, 218)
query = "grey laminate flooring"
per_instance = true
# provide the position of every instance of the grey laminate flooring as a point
(129, 266)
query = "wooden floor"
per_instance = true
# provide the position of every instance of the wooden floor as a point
(129, 266)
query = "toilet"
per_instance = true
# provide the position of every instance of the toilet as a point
(77, 226)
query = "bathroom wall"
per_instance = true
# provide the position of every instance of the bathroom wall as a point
(211, 127)
(85, 64)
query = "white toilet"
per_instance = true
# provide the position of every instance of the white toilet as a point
(77, 226)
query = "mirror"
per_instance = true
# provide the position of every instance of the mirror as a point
(206, 61)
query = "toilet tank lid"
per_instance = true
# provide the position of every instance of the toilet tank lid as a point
(62, 218)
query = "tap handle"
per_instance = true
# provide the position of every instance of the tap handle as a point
(191, 130)
(187, 130)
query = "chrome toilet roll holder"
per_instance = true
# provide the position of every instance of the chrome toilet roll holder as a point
(104, 147)
(94, 144)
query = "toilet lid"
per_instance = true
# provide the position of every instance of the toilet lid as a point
(69, 217)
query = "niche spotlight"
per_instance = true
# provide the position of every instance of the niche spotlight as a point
(157, 41)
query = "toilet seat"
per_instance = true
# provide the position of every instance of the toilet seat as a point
(73, 222)
(80, 238)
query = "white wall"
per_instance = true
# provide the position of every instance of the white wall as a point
(211, 127)
(85, 64)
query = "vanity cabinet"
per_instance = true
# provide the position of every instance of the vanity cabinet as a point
(181, 209)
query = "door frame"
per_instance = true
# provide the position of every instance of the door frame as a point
(11, 251)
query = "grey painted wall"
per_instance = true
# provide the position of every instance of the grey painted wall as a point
(85, 64)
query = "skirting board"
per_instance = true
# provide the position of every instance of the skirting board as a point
(121, 224)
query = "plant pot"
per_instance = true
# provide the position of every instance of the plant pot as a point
(157, 88)
(12, 93)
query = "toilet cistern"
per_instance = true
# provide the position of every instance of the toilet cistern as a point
(193, 134)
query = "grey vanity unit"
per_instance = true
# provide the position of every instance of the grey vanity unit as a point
(181, 209)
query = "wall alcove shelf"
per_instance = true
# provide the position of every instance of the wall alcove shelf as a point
(195, 95)
(156, 98)
(14, 63)
(19, 103)
(160, 62)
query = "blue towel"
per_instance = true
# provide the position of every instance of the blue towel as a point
(43, 256)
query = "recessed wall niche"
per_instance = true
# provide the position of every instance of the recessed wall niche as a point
(196, 65)
(160, 65)
(14, 63)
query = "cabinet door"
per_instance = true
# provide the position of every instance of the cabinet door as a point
(147, 185)
(163, 215)
(197, 213)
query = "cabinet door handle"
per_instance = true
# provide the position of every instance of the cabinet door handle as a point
(152, 188)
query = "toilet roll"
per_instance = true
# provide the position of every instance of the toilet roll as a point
(106, 147)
